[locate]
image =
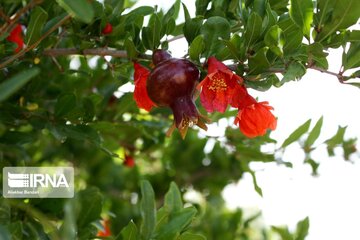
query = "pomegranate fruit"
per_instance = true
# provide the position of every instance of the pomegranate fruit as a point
(172, 83)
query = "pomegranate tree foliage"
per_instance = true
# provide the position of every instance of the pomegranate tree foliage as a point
(52, 114)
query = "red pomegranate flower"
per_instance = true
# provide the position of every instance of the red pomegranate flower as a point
(106, 232)
(107, 29)
(217, 89)
(140, 94)
(16, 37)
(129, 161)
(254, 119)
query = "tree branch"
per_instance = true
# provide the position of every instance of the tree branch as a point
(55, 52)
(27, 49)
(9, 25)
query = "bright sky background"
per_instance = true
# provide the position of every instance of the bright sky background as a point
(332, 200)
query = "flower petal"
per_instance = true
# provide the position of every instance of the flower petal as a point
(254, 120)
(140, 93)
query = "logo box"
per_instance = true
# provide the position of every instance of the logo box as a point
(38, 182)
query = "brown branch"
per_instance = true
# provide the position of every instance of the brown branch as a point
(13, 19)
(55, 52)
(176, 38)
(338, 75)
(27, 49)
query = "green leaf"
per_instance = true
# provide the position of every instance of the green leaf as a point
(68, 229)
(148, 210)
(214, 29)
(177, 224)
(283, 232)
(130, 48)
(196, 48)
(302, 229)
(274, 39)
(253, 30)
(337, 139)
(258, 62)
(294, 71)
(65, 104)
(191, 236)
(279, 6)
(292, 33)
(140, 11)
(294, 136)
(201, 7)
(301, 11)
(173, 200)
(352, 59)
(91, 205)
(337, 16)
(315, 133)
(317, 55)
(192, 28)
(314, 166)
(13, 84)
(234, 46)
(151, 35)
(80, 9)
(173, 12)
(130, 232)
(37, 20)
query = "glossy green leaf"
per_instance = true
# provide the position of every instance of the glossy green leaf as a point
(214, 29)
(192, 28)
(173, 200)
(13, 84)
(294, 136)
(148, 210)
(302, 229)
(258, 62)
(301, 11)
(314, 133)
(177, 224)
(151, 35)
(280, 6)
(37, 20)
(91, 205)
(234, 45)
(130, 49)
(337, 15)
(274, 39)
(65, 104)
(201, 6)
(253, 30)
(80, 9)
(292, 33)
(191, 236)
(130, 232)
(283, 232)
(196, 48)
(294, 71)
(337, 139)
(352, 59)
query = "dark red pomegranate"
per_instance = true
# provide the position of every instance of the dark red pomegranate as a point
(172, 84)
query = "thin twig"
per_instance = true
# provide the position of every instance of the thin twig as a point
(27, 49)
(4, 16)
(176, 38)
(55, 52)
(7, 27)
